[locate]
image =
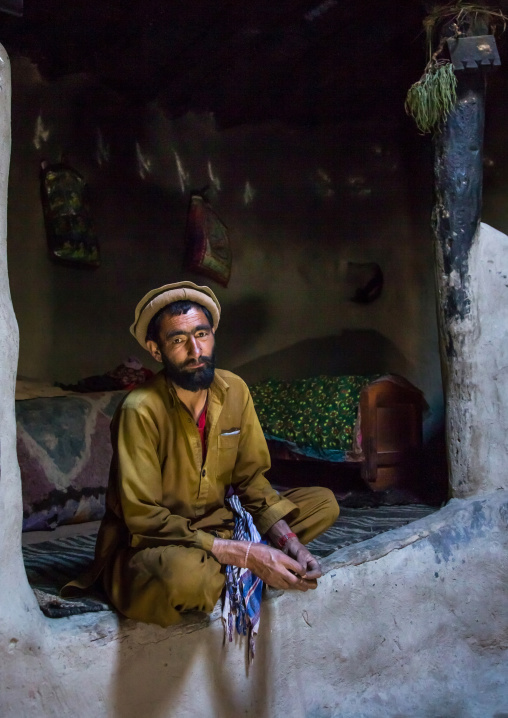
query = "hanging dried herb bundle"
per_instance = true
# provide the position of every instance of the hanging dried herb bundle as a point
(430, 100)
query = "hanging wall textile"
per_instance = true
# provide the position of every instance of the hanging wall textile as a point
(69, 227)
(207, 248)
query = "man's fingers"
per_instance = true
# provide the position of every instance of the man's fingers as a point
(288, 581)
(297, 583)
(301, 557)
(311, 583)
(313, 575)
(310, 565)
(301, 584)
(293, 565)
(313, 569)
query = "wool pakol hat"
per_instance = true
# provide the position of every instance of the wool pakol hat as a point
(169, 293)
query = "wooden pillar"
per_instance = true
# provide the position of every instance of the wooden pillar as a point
(458, 168)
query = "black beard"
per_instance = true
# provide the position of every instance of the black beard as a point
(191, 380)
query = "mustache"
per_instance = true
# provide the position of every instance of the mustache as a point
(194, 362)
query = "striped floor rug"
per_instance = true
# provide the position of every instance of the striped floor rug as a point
(355, 525)
(49, 565)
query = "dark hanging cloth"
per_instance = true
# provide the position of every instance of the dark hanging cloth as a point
(70, 231)
(207, 248)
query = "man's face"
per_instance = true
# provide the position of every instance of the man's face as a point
(186, 347)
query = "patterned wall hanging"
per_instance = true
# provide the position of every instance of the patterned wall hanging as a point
(70, 231)
(207, 248)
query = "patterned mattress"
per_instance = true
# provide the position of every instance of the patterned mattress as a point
(64, 452)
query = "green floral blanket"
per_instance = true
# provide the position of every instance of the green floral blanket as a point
(316, 416)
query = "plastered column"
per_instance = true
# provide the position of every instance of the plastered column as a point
(477, 378)
(21, 623)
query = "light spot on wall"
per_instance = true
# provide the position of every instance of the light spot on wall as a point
(102, 154)
(249, 193)
(144, 163)
(322, 183)
(41, 133)
(356, 181)
(319, 10)
(358, 186)
(387, 162)
(183, 176)
(214, 179)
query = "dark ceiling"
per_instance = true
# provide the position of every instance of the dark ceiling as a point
(302, 61)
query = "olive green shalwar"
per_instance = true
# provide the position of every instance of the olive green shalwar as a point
(164, 505)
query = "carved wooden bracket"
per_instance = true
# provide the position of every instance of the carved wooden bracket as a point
(471, 53)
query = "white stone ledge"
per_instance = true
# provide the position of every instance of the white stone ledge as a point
(413, 622)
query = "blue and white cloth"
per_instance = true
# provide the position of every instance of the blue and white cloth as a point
(243, 590)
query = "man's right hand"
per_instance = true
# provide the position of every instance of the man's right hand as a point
(276, 569)
(272, 566)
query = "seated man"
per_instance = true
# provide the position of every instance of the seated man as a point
(180, 443)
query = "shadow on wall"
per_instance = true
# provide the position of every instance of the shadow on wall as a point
(242, 324)
(351, 352)
(435, 464)
(157, 682)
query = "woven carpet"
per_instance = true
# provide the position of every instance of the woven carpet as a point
(49, 565)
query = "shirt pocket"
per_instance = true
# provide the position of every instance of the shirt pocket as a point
(227, 453)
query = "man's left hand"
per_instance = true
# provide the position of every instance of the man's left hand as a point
(309, 563)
